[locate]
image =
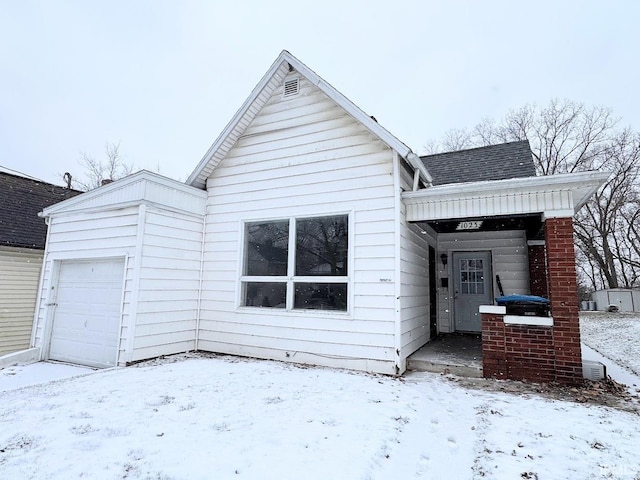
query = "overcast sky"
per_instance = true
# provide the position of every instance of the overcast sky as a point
(163, 78)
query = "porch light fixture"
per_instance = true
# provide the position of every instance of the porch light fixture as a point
(444, 259)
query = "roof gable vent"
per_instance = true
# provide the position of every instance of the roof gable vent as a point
(291, 87)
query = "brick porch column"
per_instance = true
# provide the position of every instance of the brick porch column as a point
(494, 357)
(563, 293)
(538, 269)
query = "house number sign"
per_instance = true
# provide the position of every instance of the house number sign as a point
(470, 225)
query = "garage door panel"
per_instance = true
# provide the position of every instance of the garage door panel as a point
(85, 298)
(87, 316)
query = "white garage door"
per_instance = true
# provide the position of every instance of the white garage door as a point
(87, 316)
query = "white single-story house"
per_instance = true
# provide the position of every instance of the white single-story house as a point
(22, 241)
(307, 233)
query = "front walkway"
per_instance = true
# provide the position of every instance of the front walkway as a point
(456, 353)
(18, 375)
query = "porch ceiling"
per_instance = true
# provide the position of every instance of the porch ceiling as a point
(532, 224)
(553, 196)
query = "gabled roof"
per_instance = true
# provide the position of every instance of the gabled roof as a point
(272, 80)
(494, 162)
(21, 198)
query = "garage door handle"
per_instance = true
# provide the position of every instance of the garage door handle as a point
(52, 304)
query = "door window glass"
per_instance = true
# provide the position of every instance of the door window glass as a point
(472, 276)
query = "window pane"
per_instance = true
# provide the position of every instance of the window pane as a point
(321, 296)
(266, 248)
(259, 294)
(322, 246)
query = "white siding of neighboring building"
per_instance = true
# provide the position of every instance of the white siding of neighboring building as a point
(303, 156)
(167, 305)
(626, 300)
(19, 276)
(415, 301)
(85, 236)
(509, 258)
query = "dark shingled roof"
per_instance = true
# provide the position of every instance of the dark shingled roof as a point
(495, 162)
(21, 199)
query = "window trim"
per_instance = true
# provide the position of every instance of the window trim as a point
(291, 280)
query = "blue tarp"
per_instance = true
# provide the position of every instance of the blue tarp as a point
(521, 299)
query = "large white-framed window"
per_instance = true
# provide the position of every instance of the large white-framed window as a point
(296, 263)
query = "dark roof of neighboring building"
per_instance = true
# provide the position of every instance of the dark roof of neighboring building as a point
(495, 162)
(21, 199)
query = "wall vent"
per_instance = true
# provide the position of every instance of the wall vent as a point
(291, 87)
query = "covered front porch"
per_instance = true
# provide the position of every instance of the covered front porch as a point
(500, 237)
(456, 353)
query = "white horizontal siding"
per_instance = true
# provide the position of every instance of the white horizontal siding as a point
(303, 156)
(414, 270)
(169, 281)
(509, 258)
(19, 276)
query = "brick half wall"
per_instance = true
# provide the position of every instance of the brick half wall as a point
(517, 352)
(542, 350)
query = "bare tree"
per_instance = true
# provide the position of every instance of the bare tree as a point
(567, 137)
(97, 171)
(606, 228)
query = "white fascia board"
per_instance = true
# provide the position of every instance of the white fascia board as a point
(197, 177)
(369, 123)
(142, 175)
(584, 183)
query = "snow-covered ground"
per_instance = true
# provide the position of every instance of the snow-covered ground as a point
(614, 335)
(194, 417)
(18, 375)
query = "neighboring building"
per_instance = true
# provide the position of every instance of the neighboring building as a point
(624, 299)
(308, 233)
(22, 240)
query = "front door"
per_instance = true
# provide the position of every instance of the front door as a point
(472, 288)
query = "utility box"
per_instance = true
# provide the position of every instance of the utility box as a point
(592, 370)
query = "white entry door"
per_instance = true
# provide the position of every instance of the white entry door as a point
(472, 288)
(86, 320)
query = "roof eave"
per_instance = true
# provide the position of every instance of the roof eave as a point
(195, 179)
(115, 185)
(582, 185)
(199, 176)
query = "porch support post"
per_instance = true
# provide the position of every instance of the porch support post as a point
(538, 269)
(563, 293)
